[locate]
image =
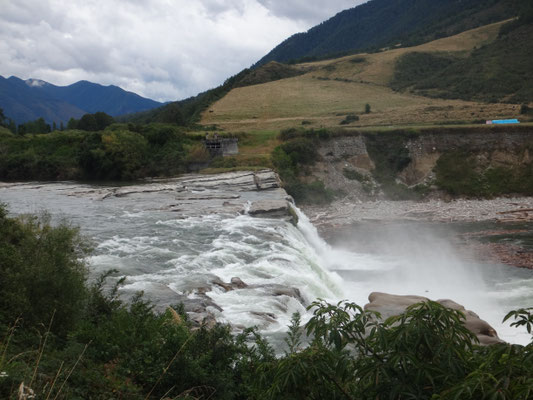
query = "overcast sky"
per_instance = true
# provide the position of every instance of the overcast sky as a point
(161, 49)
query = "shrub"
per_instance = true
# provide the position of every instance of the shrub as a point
(425, 353)
(349, 119)
(354, 175)
(315, 192)
(42, 275)
(198, 153)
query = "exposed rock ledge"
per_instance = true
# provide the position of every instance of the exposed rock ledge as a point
(389, 305)
(345, 212)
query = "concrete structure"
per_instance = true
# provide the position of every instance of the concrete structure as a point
(222, 147)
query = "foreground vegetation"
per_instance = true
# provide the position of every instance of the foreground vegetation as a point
(65, 337)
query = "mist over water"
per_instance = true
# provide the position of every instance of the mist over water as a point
(171, 254)
(420, 259)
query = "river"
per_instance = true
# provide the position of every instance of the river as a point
(183, 240)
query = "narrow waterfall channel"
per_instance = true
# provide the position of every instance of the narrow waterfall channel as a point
(186, 245)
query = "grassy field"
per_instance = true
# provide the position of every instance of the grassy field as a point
(331, 89)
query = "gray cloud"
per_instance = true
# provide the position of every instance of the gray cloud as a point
(312, 12)
(159, 49)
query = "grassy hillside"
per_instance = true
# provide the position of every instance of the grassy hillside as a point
(380, 23)
(330, 90)
(188, 112)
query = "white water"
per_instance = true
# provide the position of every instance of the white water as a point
(421, 263)
(170, 255)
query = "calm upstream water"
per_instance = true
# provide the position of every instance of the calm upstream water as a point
(172, 239)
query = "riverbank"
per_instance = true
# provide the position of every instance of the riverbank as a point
(505, 216)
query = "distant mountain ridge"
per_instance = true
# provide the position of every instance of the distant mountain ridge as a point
(26, 100)
(380, 23)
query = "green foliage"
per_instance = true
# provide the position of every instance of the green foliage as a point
(3, 118)
(349, 119)
(525, 109)
(93, 122)
(301, 151)
(497, 72)
(34, 127)
(223, 162)
(42, 276)
(313, 193)
(353, 175)
(460, 173)
(412, 68)
(270, 72)
(367, 108)
(425, 353)
(116, 153)
(390, 155)
(291, 159)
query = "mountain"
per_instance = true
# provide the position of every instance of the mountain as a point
(30, 99)
(22, 102)
(380, 23)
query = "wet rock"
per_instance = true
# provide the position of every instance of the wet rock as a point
(226, 286)
(275, 208)
(273, 289)
(389, 305)
(207, 320)
(268, 317)
(199, 305)
(238, 283)
(266, 179)
(281, 290)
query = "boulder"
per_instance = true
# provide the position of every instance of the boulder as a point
(270, 208)
(389, 305)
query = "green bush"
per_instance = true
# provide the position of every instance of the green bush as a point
(113, 154)
(314, 192)
(290, 160)
(42, 275)
(460, 173)
(353, 175)
(349, 119)
(425, 353)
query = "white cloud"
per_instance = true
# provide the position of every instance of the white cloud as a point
(161, 49)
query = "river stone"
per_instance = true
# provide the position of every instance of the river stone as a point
(238, 283)
(389, 305)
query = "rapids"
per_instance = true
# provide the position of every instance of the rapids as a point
(172, 239)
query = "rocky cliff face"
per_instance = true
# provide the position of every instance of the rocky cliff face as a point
(358, 163)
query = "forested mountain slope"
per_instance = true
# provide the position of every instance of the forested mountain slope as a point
(380, 23)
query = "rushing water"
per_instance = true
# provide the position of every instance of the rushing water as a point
(171, 246)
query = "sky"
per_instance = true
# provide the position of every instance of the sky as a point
(161, 49)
